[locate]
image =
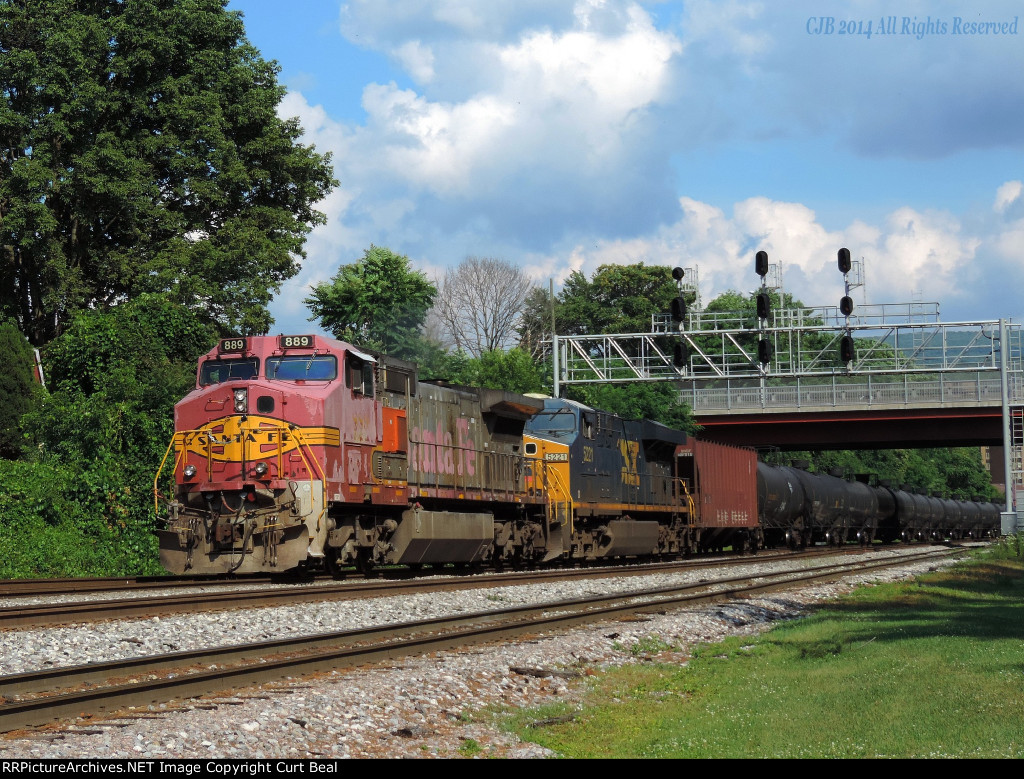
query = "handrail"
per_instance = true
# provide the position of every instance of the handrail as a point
(563, 489)
(180, 439)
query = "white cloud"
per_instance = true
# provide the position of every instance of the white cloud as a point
(418, 60)
(546, 132)
(1007, 195)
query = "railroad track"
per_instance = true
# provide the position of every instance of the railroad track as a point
(37, 698)
(67, 612)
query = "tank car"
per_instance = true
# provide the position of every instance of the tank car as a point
(798, 508)
(304, 450)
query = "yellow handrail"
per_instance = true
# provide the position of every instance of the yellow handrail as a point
(180, 438)
(563, 489)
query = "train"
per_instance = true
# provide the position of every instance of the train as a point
(296, 453)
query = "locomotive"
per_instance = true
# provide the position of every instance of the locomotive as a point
(304, 452)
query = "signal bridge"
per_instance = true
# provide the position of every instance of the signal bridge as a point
(788, 380)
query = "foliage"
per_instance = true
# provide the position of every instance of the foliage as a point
(379, 302)
(480, 303)
(99, 437)
(954, 472)
(512, 371)
(142, 152)
(19, 391)
(617, 299)
(57, 521)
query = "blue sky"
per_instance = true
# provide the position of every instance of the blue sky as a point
(561, 135)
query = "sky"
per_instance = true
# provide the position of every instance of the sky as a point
(562, 135)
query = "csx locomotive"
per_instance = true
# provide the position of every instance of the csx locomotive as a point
(303, 452)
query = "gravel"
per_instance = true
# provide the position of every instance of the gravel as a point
(430, 706)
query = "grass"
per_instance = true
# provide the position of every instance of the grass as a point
(929, 668)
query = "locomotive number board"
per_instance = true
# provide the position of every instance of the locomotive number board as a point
(233, 345)
(295, 341)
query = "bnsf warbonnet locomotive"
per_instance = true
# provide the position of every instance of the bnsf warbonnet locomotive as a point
(303, 451)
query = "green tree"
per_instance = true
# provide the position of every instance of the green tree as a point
(19, 391)
(512, 371)
(101, 432)
(379, 302)
(617, 299)
(141, 151)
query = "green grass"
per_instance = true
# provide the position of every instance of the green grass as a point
(930, 668)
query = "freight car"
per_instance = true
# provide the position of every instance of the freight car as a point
(798, 508)
(302, 451)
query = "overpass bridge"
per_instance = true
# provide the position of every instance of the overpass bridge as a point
(889, 376)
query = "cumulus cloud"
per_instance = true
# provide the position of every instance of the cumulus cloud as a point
(1007, 195)
(552, 133)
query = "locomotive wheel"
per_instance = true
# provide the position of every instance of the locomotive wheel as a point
(364, 563)
(331, 564)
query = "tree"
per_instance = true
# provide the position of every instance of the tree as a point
(480, 303)
(141, 151)
(18, 388)
(617, 299)
(81, 502)
(512, 371)
(379, 302)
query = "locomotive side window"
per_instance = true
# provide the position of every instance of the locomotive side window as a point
(217, 371)
(588, 425)
(359, 375)
(316, 367)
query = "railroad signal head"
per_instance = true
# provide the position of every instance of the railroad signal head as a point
(761, 263)
(677, 274)
(846, 305)
(764, 305)
(764, 352)
(678, 309)
(847, 352)
(844, 261)
(680, 355)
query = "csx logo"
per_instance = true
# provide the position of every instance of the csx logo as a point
(630, 450)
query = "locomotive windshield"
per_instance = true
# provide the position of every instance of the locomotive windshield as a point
(554, 423)
(322, 367)
(216, 371)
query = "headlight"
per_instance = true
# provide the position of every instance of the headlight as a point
(190, 471)
(261, 469)
(241, 396)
